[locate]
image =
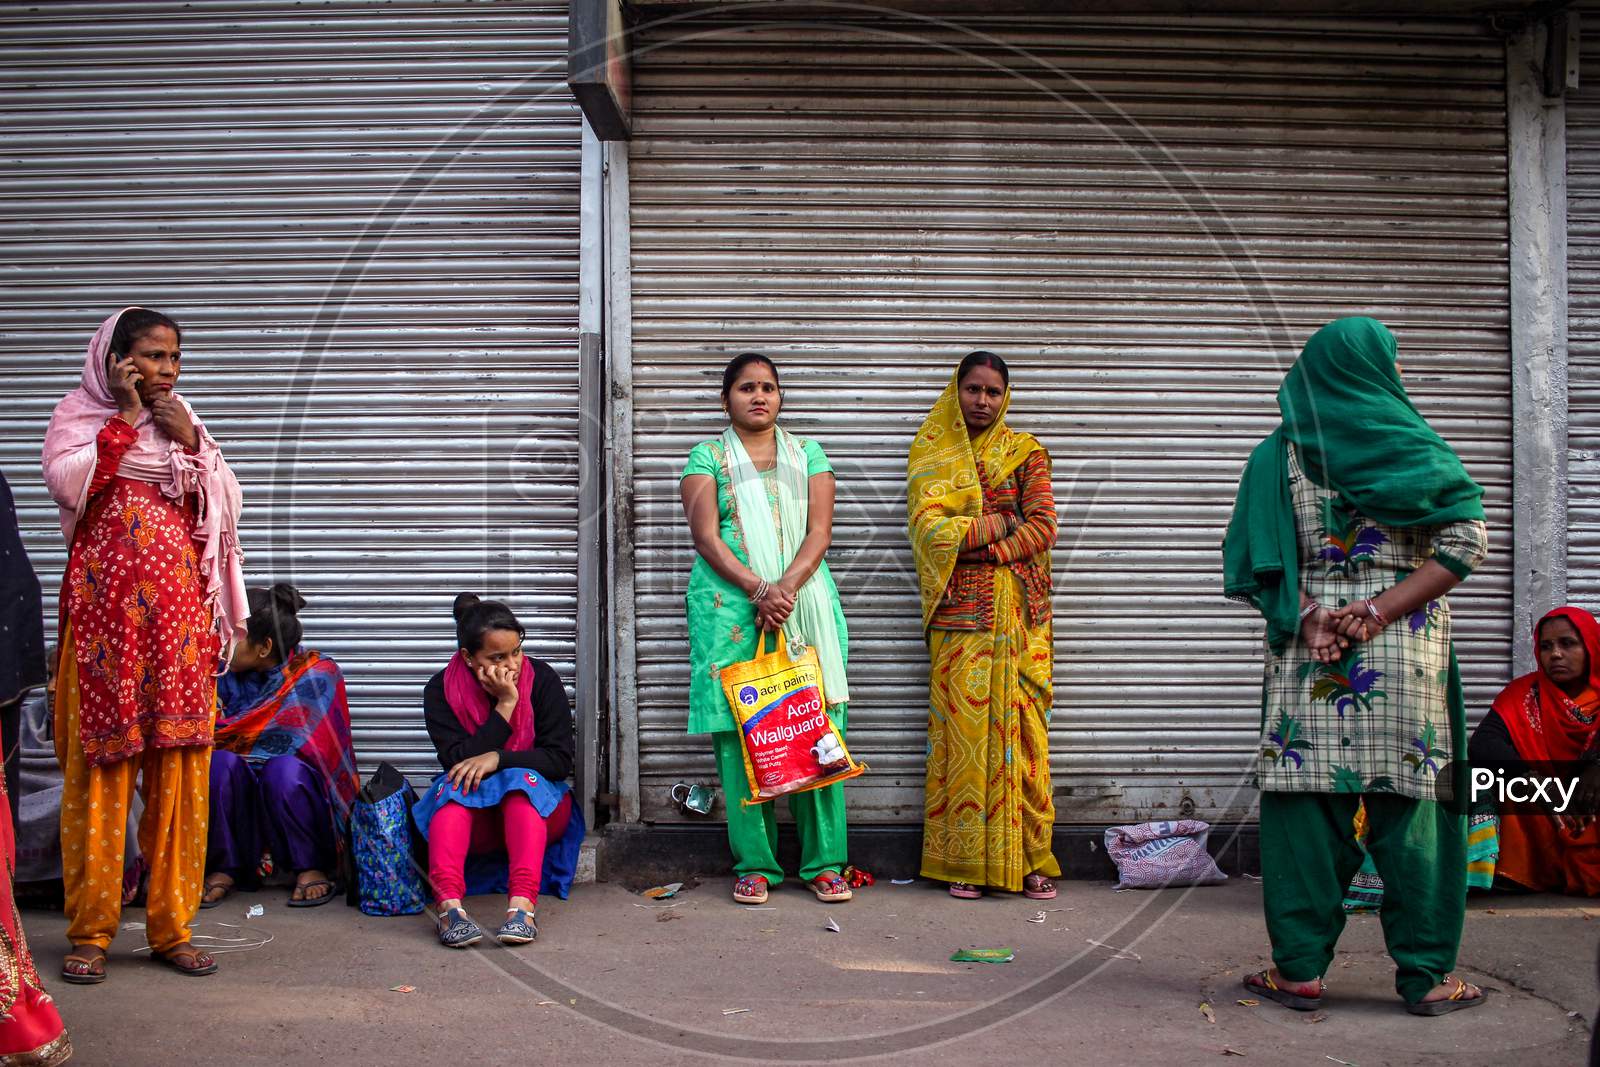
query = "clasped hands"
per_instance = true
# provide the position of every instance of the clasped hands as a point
(1329, 632)
(773, 609)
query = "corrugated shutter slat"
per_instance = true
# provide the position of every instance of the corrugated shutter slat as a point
(1146, 218)
(365, 216)
(1583, 331)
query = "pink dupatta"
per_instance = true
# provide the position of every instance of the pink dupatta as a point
(71, 453)
(473, 707)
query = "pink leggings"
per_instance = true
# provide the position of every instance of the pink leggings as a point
(514, 826)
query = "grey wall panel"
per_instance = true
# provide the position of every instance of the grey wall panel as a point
(1583, 328)
(366, 218)
(1146, 218)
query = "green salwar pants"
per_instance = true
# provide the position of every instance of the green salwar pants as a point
(1309, 854)
(753, 828)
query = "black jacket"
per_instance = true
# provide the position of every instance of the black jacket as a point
(553, 740)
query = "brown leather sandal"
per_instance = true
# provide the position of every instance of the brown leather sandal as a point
(207, 900)
(81, 969)
(1262, 985)
(187, 960)
(1456, 1001)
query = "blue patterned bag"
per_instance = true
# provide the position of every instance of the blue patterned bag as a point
(387, 870)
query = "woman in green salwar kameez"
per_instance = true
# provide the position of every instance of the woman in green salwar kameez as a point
(1353, 521)
(760, 506)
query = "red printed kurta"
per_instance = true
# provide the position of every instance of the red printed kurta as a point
(146, 649)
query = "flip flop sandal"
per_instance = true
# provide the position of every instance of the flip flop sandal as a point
(518, 929)
(1456, 1001)
(199, 963)
(751, 889)
(965, 891)
(313, 902)
(88, 975)
(833, 890)
(458, 931)
(1038, 887)
(227, 891)
(1261, 983)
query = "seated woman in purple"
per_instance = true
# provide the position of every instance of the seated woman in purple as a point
(283, 775)
(502, 725)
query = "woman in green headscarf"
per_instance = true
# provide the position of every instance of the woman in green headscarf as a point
(1352, 522)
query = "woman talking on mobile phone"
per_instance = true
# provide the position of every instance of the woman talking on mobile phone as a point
(151, 603)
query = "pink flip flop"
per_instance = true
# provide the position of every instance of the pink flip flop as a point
(1038, 887)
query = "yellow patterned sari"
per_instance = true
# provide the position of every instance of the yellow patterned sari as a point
(988, 812)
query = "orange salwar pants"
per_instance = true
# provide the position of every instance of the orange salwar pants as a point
(94, 820)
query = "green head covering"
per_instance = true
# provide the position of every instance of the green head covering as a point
(1359, 435)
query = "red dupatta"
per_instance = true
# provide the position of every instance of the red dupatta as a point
(1545, 723)
(472, 705)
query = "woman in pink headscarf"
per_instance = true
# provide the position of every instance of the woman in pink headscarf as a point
(151, 603)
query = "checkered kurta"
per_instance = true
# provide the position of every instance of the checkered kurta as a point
(1376, 721)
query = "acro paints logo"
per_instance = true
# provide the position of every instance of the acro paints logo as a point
(748, 696)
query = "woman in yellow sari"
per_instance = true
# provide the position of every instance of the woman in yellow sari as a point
(982, 523)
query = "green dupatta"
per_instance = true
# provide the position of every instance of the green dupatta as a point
(1357, 432)
(812, 620)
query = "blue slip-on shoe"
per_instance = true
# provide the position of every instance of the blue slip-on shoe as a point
(458, 931)
(518, 929)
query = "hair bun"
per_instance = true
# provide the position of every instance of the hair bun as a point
(287, 598)
(465, 602)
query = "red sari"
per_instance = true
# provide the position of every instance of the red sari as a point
(1547, 725)
(31, 1031)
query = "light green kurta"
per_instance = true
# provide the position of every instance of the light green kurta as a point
(722, 621)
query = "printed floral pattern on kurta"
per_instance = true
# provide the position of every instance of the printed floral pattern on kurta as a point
(722, 621)
(146, 648)
(1377, 720)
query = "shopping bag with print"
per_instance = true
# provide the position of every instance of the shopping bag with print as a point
(790, 743)
(387, 878)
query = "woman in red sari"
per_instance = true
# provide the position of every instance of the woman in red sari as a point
(1552, 714)
(151, 602)
(31, 1031)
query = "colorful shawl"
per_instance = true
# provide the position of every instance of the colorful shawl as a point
(1545, 723)
(1357, 432)
(943, 493)
(71, 453)
(473, 707)
(297, 708)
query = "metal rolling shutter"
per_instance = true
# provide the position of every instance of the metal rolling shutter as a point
(365, 215)
(1146, 218)
(1583, 331)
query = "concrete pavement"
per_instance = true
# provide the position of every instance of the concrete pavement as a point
(1105, 977)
